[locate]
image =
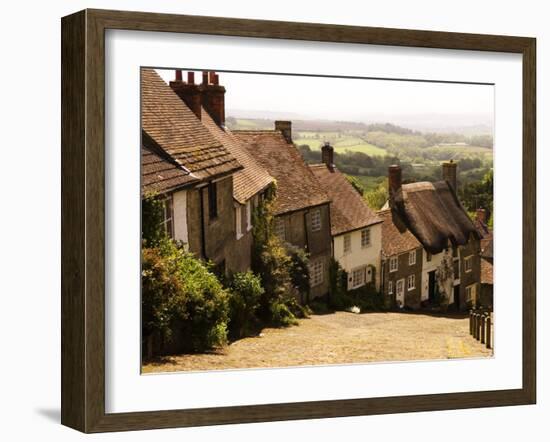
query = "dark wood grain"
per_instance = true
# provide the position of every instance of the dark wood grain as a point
(83, 219)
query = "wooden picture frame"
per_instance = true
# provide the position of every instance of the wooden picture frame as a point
(83, 216)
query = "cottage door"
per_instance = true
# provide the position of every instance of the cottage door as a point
(400, 293)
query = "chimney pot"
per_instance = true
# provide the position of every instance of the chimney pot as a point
(327, 156)
(448, 172)
(189, 92)
(213, 97)
(286, 128)
(481, 215)
(394, 181)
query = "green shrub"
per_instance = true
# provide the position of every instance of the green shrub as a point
(367, 298)
(245, 293)
(299, 270)
(281, 314)
(180, 293)
(152, 216)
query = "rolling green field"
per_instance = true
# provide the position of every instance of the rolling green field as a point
(341, 142)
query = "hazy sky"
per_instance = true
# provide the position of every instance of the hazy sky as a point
(413, 103)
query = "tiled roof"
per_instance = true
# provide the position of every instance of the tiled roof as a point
(434, 214)
(297, 187)
(486, 271)
(348, 210)
(396, 238)
(253, 178)
(482, 228)
(159, 172)
(166, 118)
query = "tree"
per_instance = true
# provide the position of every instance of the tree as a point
(444, 275)
(377, 198)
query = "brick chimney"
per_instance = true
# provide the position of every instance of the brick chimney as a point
(189, 92)
(213, 97)
(327, 156)
(481, 215)
(394, 180)
(286, 128)
(448, 173)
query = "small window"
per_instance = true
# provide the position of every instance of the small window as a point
(393, 264)
(390, 287)
(316, 274)
(212, 200)
(412, 258)
(238, 221)
(167, 222)
(347, 243)
(428, 256)
(358, 277)
(365, 237)
(280, 228)
(468, 264)
(248, 215)
(411, 282)
(316, 220)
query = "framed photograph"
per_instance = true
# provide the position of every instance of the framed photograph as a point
(267, 221)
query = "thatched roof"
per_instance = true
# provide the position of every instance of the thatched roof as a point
(434, 215)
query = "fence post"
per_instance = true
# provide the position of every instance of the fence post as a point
(482, 326)
(488, 330)
(478, 325)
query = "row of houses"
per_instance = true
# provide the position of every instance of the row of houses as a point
(212, 179)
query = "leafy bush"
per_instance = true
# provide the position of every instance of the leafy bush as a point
(281, 314)
(246, 291)
(367, 298)
(271, 261)
(152, 216)
(180, 294)
(299, 270)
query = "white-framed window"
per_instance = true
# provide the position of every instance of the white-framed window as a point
(167, 221)
(412, 258)
(347, 243)
(365, 237)
(393, 264)
(248, 215)
(316, 273)
(238, 221)
(468, 263)
(358, 277)
(280, 228)
(471, 294)
(390, 287)
(316, 220)
(411, 280)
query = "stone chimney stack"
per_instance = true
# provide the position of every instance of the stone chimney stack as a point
(189, 92)
(213, 97)
(448, 171)
(286, 128)
(327, 156)
(481, 215)
(394, 181)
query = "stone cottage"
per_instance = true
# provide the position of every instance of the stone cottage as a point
(207, 102)
(302, 213)
(356, 230)
(191, 169)
(451, 243)
(401, 263)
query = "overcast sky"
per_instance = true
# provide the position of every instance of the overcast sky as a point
(422, 105)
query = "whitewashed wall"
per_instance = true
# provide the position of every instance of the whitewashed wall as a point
(180, 217)
(360, 256)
